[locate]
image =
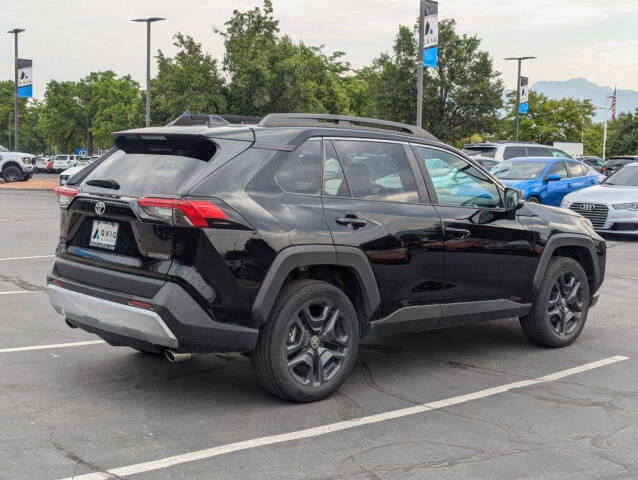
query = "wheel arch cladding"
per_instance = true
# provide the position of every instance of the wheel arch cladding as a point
(579, 247)
(292, 258)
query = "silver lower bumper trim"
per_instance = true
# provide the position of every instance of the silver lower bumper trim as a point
(112, 317)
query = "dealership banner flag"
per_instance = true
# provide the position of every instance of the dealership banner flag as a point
(25, 78)
(431, 34)
(524, 104)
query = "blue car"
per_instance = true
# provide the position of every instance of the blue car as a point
(546, 180)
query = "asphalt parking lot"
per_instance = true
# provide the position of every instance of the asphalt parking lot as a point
(479, 402)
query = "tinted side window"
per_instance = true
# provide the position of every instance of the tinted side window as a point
(513, 152)
(377, 171)
(559, 153)
(539, 152)
(457, 182)
(558, 169)
(334, 182)
(301, 171)
(575, 169)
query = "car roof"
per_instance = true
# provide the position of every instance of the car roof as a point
(503, 142)
(284, 136)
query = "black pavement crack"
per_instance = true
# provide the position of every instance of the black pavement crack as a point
(79, 461)
(21, 283)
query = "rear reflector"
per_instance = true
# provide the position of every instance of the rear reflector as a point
(191, 213)
(65, 195)
(139, 304)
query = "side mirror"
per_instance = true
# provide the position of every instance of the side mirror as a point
(513, 199)
(554, 177)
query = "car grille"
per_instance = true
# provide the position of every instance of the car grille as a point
(595, 212)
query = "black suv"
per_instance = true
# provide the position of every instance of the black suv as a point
(292, 239)
(613, 164)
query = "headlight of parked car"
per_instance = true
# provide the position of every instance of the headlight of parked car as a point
(565, 203)
(626, 206)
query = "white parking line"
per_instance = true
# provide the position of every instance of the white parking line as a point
(25, 258)
(48, 347)
(335, 427)
(21, 291)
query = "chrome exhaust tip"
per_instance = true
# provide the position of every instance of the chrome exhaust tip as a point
(175, 357)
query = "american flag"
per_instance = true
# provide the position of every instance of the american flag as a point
(613, 105)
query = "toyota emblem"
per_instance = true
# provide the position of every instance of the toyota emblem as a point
(100, 208)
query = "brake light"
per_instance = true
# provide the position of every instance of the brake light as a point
(187, 213)
(65, 195)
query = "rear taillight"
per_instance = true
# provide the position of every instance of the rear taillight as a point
(184, 213)
(604, 169)
(65, 195)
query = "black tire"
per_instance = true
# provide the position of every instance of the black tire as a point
(309, 344)
(560, 309)
(533, 199)
(12, 174)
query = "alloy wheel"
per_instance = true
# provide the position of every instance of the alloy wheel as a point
(565, 305)
(319, 340)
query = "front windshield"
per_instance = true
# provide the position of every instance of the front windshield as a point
(519, 170)
(627, 177)
(2, 149)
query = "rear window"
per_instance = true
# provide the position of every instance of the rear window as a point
(153, 167)
(486, 151)
(513, 152)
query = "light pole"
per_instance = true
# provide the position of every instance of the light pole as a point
(518, 87)
(419, 84)
(148, 22)
(15, 33)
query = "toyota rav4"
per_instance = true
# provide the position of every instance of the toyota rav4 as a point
(291, 240)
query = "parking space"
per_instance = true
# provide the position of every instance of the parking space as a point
(84, 409)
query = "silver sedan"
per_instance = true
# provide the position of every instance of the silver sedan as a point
(611, 206)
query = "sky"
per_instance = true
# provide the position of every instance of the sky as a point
(68, 39)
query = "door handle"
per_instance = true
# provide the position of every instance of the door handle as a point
(459, 233)
(351, 221)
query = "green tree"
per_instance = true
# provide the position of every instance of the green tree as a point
(549, 120)
(63, 117)
(108, 104)
(33, 135)
(461, 97)
(593, 139)
(269, 73)
(189, 81)
(622, 135)
(7, 93)
(85, 113)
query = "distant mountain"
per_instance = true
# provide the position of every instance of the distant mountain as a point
(581, 88)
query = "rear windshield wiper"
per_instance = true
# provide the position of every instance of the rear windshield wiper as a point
(108, 183)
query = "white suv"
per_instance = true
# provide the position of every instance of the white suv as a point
(62, 162)
(500, 151)
(16, 166)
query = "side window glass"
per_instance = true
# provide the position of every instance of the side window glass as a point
(457, 182)
(575, 169)
(559, 153)
(301, 171)
(334, 182)
(558, 169)
(539, 152)
(377, 171)
(513, 152)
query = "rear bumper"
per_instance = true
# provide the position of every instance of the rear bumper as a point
(116, 318)
(173, 320)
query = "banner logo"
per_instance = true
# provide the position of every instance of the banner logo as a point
(25, 80)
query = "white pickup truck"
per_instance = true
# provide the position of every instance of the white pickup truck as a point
(16, 166)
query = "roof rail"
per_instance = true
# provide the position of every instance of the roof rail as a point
(341, 121)
(190, 119)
